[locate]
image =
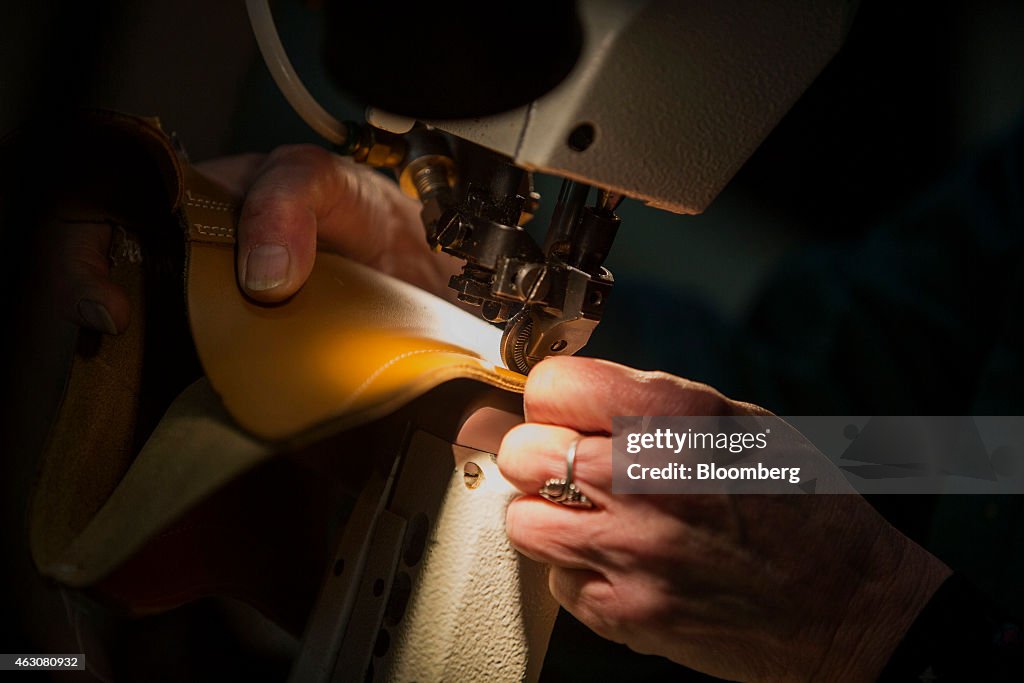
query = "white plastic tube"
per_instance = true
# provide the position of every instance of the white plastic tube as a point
(284, 74)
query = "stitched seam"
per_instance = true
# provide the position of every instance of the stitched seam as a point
(213, 230)
(379, 371)
(497, 380)
(471, 370)
(225, 209)
(203, 203)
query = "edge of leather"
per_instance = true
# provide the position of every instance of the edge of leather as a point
(207, 213)
(51, 165)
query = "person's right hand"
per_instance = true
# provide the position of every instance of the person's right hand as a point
(296, 198)
(743, 587)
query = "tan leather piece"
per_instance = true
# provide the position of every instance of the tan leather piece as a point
(352, 346)
(208, 211)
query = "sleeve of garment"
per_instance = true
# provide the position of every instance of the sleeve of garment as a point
(958, 636)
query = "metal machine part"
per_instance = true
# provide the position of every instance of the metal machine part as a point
(563, 298)
(665, 103)
(424, 536)
(549, 297)
(661, 101)
(668, 99)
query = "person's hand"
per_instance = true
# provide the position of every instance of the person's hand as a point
(296, 198)
(744, 587)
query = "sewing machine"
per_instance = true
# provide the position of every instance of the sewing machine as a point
(660, 101)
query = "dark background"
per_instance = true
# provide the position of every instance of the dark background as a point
(918, 86)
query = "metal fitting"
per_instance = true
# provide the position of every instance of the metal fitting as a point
(426, 176)
(379, 149)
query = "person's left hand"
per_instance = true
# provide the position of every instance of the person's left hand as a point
(297, 199)
(745, 587)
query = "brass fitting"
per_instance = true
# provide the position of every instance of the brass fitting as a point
(425, 176)
(379, 149)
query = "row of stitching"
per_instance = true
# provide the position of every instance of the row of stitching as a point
(201, 202)
(471, 370)
(214, 230)
(212, 207)
(493, 379)
(377, 373)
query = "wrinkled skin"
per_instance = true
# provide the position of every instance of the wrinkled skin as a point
(296, 197)
(744, 587)
(752, 588)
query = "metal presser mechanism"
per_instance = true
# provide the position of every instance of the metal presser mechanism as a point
(660, 101)
(549, 297)
(657, 100)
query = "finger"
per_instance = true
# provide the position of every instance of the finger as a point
(551, 534)
(278, 223)
(304, 194)
(588, 596)
(584, 394)
(530, 454)
(84, 293)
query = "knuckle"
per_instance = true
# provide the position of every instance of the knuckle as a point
(648, 608)
(266, 211)
(575, 547)
(595, 603)
(659, 381)
(605, 619)
(302, 153)
(707, 401)
(643, 546)
(682, 396)
(631, 609)
(266, 200)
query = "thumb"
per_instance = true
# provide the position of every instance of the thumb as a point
(303, 195)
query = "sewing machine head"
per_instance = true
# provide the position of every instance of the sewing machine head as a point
(661, 101)
(475, 202)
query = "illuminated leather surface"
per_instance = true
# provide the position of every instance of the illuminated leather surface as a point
(352, 345)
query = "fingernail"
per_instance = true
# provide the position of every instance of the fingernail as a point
(96, 316)
(266, 267)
